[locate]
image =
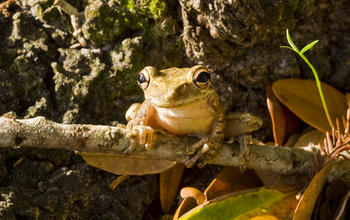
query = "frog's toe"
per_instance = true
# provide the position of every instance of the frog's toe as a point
(146, 137)
(244, 153)
(202, 164)
(191, 149)
(133, 135)
(122, 126)
(130, 134)
(207, 156)
(189, 163)
(131, 146)
(243, 167)
(142, 133)
(149, 143)
(243, 161)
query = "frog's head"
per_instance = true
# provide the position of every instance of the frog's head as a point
(175, 86)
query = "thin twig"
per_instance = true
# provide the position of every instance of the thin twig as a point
(75, 21)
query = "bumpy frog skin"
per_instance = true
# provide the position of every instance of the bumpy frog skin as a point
(181, 101)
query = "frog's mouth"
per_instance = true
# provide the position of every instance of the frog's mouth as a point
(176, 103)
(173, 100)
(192, 110)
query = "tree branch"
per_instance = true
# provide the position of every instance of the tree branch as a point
(40, 132)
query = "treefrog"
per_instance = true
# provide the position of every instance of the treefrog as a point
(180, 101)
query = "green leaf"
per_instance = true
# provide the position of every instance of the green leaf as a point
(287, 47)
(308, 46)
(231, 179)
(261, 202)
(291, 42)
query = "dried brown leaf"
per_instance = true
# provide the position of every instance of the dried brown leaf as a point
(121, 165)
(169, 182)
(284, 122)
(302, 98)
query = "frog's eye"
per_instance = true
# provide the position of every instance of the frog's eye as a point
(143, 79)
(201, 78)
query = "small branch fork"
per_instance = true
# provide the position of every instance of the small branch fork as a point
(43, 133)
(75, 21)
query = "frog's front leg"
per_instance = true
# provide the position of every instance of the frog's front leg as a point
(139, 131)
(210, 144)
(238, 127)
(244, 141)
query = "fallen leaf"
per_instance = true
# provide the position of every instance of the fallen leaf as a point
(341, 212)
(268, 177)
(332, 203)
(264, 218)
(121, 165)
(284, 122)
(248, 204)
(231, 179)
(302, 98)
(314, 137)
(292, 140)
(194, 193)
(308, 200)
(186, 205)
(169, 182)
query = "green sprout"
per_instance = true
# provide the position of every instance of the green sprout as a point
(318, 83)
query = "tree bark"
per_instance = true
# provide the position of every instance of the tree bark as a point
(40, 132)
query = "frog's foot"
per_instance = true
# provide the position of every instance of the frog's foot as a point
(244, 151)
(191, 149)
(209, 148)
(202, 143)
(143, 135)
(140, 134)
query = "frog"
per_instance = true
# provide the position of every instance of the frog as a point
(182, 101)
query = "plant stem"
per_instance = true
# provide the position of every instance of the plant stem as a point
(318, 83)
